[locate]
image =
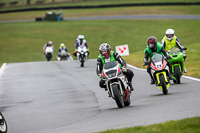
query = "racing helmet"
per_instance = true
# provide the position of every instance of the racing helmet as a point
(62, 45)
(105, 50)
(81, 37)
(169, 34)
(152, 42)
(49, 43)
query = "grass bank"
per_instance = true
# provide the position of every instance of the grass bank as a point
(189, 125)
(22, 42)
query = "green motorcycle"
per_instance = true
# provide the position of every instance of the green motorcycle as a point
(177, 63)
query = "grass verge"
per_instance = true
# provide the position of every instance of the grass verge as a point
(189, 125)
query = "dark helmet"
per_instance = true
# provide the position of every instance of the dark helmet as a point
(105, 47)
(152, 42)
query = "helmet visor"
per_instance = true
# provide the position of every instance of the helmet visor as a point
(151, 45)
(103, 52)
(169, 35)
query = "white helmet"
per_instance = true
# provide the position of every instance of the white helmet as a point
(81, 37)
(169, 32)
(50, 42)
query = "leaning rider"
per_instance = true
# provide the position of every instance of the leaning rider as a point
(154, 46)
(170, 40)
(106, 55)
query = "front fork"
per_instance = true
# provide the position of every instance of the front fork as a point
(165, 77)
(120, 88)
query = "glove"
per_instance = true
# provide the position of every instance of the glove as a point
(146, 63)
(169, 57)
(100, 76)
(124, 69)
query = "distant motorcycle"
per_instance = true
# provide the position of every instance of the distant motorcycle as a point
(116, 83)
(49, 53)
(3, 124)
(160, 72)
(177, 63)
(64, 56)
(82, 55)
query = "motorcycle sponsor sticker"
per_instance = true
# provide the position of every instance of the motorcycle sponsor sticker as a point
(122, 50)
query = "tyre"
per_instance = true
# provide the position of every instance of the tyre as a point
(3, 124)
(177, 74)
(128, 102)
(49, 56)
(163, 84)
(117, 96)
(82, 61)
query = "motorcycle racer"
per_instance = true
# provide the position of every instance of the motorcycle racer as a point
(80, 42)
(106, 55)
(62, 47)
(154, 46)
(170, 40)
(49, 44)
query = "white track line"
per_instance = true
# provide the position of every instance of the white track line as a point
(2, 68)
(137, 68)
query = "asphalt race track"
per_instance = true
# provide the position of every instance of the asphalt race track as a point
(62, 97)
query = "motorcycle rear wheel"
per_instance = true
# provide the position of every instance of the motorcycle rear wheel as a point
(163, 84)
(117, 96)
(128, 102)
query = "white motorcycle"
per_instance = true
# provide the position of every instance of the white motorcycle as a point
(116, 83)
(82, 55)
(49, 53)
(3, 124)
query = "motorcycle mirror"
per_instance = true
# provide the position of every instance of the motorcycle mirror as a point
(185, 48)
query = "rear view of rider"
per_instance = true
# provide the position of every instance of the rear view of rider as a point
(61, 48)
(80, 42)
(170, 40)
(106, 55)
(154, 47)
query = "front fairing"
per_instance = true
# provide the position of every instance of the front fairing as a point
(157, 62)
(176, 54)
(111, 70)
(158, 66)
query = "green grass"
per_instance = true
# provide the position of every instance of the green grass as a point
(21, 42)
(189, 125)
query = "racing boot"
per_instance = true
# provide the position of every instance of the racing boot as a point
(131, 86)
(185, 70)
(170, 77)
(152, 81)
(109, 95)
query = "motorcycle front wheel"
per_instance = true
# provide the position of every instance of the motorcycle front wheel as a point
(177, 74)
(163, 84)
(3, 124)
(117, 96)
(82, 61)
